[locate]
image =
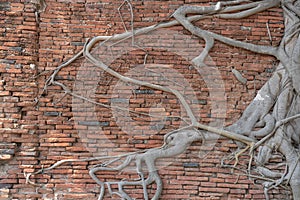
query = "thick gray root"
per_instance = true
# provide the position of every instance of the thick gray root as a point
(260, 106)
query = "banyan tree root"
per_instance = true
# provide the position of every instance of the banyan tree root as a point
(175, 144)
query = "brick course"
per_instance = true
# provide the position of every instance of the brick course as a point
(45, 128)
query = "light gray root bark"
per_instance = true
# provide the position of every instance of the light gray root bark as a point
(175, 144)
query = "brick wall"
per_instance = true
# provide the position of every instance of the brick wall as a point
(38, 129)
(18, 116)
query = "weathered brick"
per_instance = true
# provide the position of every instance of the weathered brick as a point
(93, 123)
(196, 165)
(4, 93)
(4, 6)
(52, 113)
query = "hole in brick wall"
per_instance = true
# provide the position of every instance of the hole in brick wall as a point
(19, 144)
(23, 114)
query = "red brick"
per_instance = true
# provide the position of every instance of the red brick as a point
(228, 185)
(4, 93)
